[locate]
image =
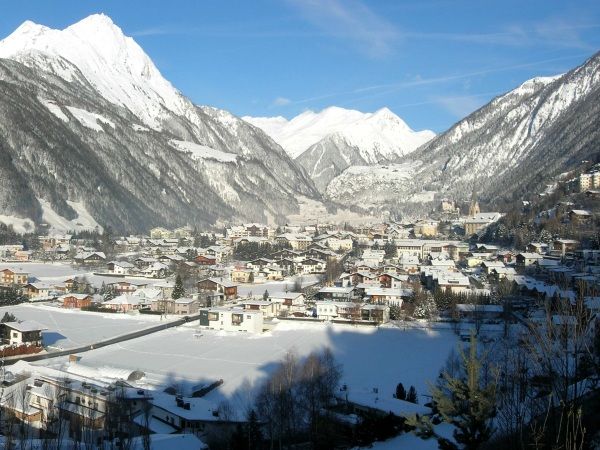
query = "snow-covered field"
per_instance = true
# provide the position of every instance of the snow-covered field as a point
(19, 224)
(275, 286)
(61, 271)
(45, 271)
(371, 357)
(69, 328)
(83, 221)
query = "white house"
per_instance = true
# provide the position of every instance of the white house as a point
(290, 301)
(232, 319)
(124, 303)
(267, 308)
(388, 296)
(120, 267)
(25, 332)
(329, 310)
(455, 283)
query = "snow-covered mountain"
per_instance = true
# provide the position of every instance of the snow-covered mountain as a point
(509, 148)
(113, 63)
(88, 119)
(328, 142)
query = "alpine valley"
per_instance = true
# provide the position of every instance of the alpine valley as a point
(522, 140)
(92, 134)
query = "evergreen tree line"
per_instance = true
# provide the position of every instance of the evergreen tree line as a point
(247, 251)
(11, 296)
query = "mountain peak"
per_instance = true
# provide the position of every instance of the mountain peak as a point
(109, 60)
(388, 116)
(99, 30)
(97, 20)
(29, 27)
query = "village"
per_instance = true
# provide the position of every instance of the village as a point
(250, 280)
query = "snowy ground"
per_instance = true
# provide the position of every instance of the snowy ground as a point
(60, 271)
(45, 270)
(70, 328)
(410, 441)
(371, 357)
(275, 286)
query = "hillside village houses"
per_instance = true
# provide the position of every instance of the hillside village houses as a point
(376, 264)
(84, 397)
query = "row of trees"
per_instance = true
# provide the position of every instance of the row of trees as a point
(247, 251)
(11, 296)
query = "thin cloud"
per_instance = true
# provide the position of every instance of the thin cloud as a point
(551, 32)
(434, 101)
(162, 31)
(281, 101)
(351, 20)
(388, 88)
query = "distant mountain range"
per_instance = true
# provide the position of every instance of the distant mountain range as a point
(328, 142)
(507, 150)
(92, 134)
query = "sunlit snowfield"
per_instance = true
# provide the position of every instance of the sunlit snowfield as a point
(72, 328)
(371, 357)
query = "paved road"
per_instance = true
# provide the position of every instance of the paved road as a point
(115, 340)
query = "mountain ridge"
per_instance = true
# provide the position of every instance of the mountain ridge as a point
(505, 151)
(122, 165)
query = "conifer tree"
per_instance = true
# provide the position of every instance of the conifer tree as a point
(411, 396)
(468, 404)
(178, 290)
(109, 293)
(465, 402)
(400, 392)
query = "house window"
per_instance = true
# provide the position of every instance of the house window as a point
(15, 334)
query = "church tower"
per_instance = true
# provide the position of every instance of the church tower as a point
(474, 206)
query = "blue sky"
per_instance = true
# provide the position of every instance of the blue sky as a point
(430, 61)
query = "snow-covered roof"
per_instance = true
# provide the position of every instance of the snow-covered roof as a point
(385, 402)
(388, 292)
(103, 373)
(124, 300)
(26, 326)
(123, 264)
(337, 290)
